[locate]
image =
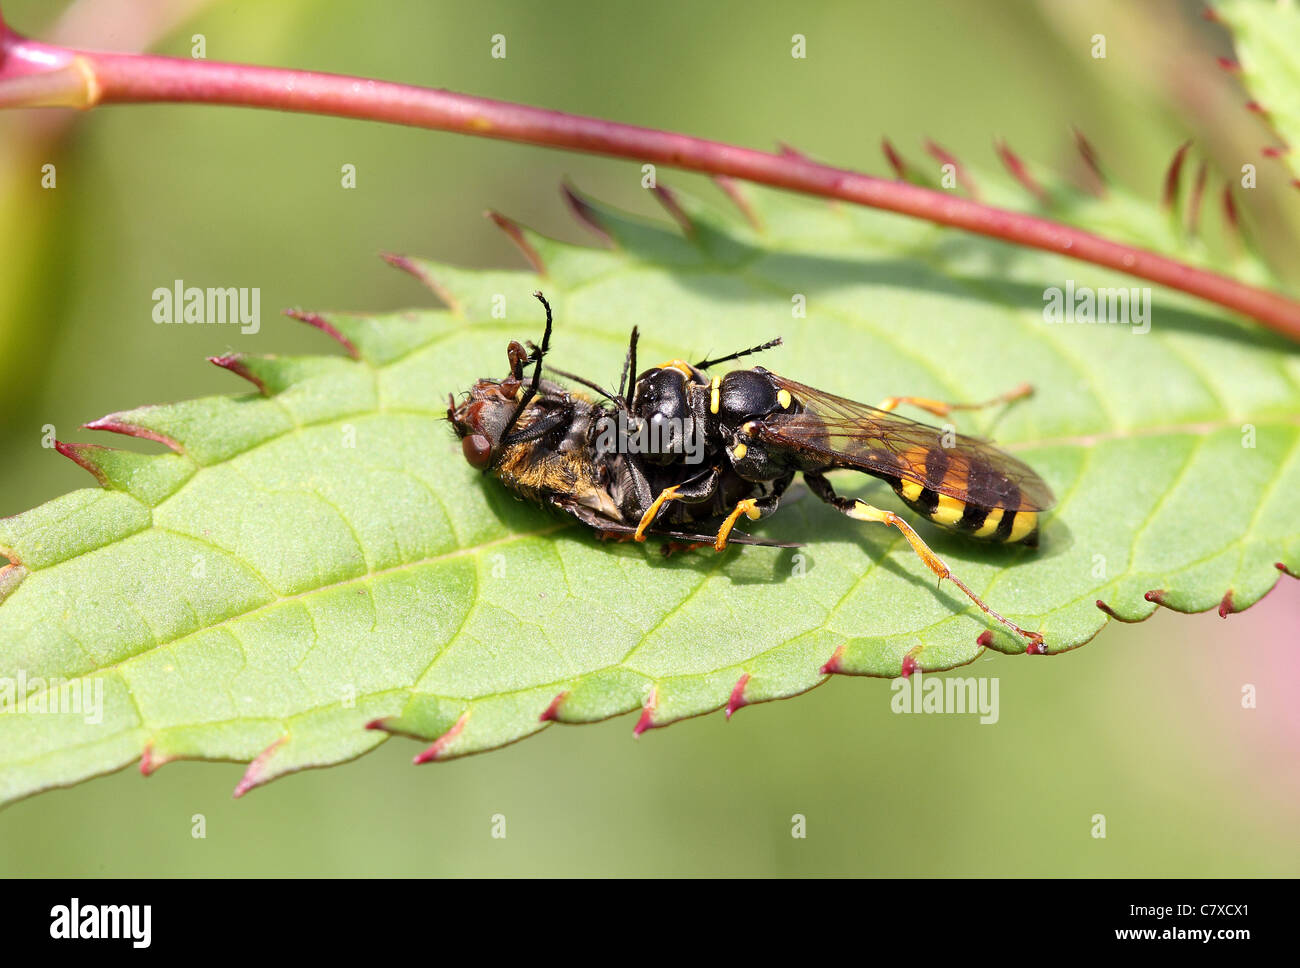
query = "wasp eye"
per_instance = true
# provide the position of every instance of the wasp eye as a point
(477, 450)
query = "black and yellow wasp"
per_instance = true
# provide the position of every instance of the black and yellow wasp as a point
(757, 431)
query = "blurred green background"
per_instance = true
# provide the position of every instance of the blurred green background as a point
(1144, 725)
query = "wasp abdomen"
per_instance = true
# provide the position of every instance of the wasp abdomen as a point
(993, 509)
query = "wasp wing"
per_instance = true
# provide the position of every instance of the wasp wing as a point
(850, 434)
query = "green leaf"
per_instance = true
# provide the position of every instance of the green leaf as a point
(316, 556)
(1266, 36)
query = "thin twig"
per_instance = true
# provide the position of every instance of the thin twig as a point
(37, 74)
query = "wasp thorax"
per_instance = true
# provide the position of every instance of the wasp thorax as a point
(745, 394)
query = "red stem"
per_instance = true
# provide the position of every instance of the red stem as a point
(85, 79)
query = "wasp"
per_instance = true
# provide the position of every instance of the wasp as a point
(544, 443)
(769, 427)
(756, 430)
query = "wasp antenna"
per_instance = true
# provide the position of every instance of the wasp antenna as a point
(589, 384)
(705, 364)
(629, 368)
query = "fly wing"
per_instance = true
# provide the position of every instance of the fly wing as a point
(854, 435)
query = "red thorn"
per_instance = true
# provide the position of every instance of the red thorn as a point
(1091, 162)
(732, 189)
(149, 762)
(314, 319)
(647, 713)
(1284, 569)
(832, 665)
(77, 454)
(552, 712)
(1211, 15)
(1230, 208)
(1275, 151)
(1228, 64)
(1174, 175)
(516, 235)
(1225, 606)
(380, 723)
(908, 667)
(113, 425)
(255, 775)
(737, 698)
(585, 214)
(1254, 107)
(236, 365)
(789, 151)
(1112, 613)
(985, 638)
(409, 266)
(1295, 182)
(439, 745)
(1156, 595)
(895, 160)
(669, 201)
(1036, 648)
(1019, 172)
(1198, 191)
(945, 157)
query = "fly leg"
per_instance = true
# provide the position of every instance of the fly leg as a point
(861, 511)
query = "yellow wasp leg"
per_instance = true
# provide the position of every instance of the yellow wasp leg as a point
(749, 507)
(666, 495)
(941, 409)
(862, 511)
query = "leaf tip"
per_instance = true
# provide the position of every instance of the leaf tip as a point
(910, 665)
(668, 199)
(234, 362)
(150, 761)
(894, 158)
(1016, 167)
(737, 697)
(552, 711)
(80, 454)
(731, 188)
(413, 268)
(326, 327)
(438, 747)
(585, 213)
(1174, 175)
(646, 721)
(832, 665)
(1114, 614)
(114, 423)
(258, 770)
(515, 233)
(1226, 606)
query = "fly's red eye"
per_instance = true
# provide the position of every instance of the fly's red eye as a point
(477, 450)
